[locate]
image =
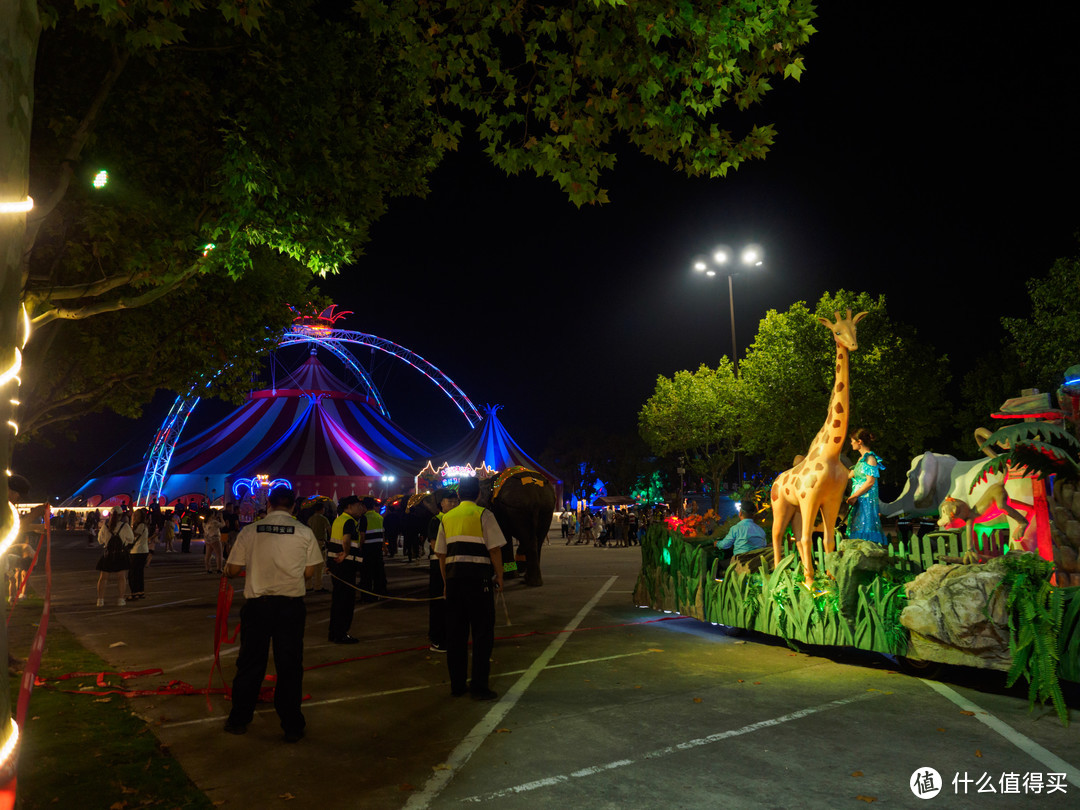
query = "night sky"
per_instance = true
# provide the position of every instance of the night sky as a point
(931, 157)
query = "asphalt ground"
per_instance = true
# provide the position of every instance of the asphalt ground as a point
(601, 705)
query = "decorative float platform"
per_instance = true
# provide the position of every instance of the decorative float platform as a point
(1002, 614)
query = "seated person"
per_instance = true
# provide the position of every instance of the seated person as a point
(744, 536)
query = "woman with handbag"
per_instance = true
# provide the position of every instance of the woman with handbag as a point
(116, 540)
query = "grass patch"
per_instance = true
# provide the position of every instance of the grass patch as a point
(82, 751)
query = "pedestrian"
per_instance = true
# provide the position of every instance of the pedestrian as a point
(116, 539)
(447, 499)
(342, 559)
(372, 569)
(140, 554)
(212, 548)
(187, 528)
(278, 552)
(320, 527)
(469, 546)
(231, 527)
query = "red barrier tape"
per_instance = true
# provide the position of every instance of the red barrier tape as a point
(221, 634)
(33, 661)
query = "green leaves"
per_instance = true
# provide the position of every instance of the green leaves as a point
(658, 75)
(697, 415)
(896, 388)
(1046, 342)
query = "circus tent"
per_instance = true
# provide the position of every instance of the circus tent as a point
(488, 445)
(309, 430)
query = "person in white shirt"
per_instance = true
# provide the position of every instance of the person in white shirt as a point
(279, 553)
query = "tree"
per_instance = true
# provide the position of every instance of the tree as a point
(550, 85)
(213, 327)
(298, 149)
(897, 382)
(1046, 342)
(697, 415)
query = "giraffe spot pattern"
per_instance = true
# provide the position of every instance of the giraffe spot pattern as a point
(839, 387)
(836, 423)
(836, 440)
(813, 481)
(819, 466)
(839, 408)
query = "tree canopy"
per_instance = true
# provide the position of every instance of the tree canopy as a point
(897, 382)
(1047, 341)
(697, 415)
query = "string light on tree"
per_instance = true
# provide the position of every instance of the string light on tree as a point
(100, 179)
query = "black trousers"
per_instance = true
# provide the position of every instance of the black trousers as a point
(342, 597)
(470, 606)
(372, 571)
(277, 619)
(436, 607)
(135, 573)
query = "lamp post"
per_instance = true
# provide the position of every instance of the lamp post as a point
(723, 260)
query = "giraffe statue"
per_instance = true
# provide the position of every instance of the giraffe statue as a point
(818, 481)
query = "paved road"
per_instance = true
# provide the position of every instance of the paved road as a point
(602, 705)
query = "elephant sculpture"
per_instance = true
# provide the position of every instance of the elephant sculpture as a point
(523, 502)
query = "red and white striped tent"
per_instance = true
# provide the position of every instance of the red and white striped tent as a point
(309, 430)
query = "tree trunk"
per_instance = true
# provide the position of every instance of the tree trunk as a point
(20, 28)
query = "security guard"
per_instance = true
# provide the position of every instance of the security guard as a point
(469, 546)
(279, 552)
(372, 569)
(342, 558)
(446, 499)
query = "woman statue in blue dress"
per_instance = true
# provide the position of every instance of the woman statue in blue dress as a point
(864, 523)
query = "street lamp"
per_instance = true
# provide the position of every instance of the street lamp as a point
(724, 260)
(386, 480)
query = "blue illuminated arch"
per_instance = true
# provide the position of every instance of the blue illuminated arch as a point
(159, 455)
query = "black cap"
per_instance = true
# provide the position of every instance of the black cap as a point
(346, 502)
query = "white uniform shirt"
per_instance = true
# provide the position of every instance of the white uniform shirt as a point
(275, 551)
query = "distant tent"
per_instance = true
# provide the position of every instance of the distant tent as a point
(490, 445)
(311, 431)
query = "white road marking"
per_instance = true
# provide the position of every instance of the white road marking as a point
(559, 779)
(163, 604)
(467, 747)
(367, 695)
(1052, 762)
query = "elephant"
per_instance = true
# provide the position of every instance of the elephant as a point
(421, 509)
(523, 507)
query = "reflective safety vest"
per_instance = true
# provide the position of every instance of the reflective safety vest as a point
(374, 531)
(466, 552)
(337, 534)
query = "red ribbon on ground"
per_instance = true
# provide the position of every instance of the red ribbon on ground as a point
(266, 693)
